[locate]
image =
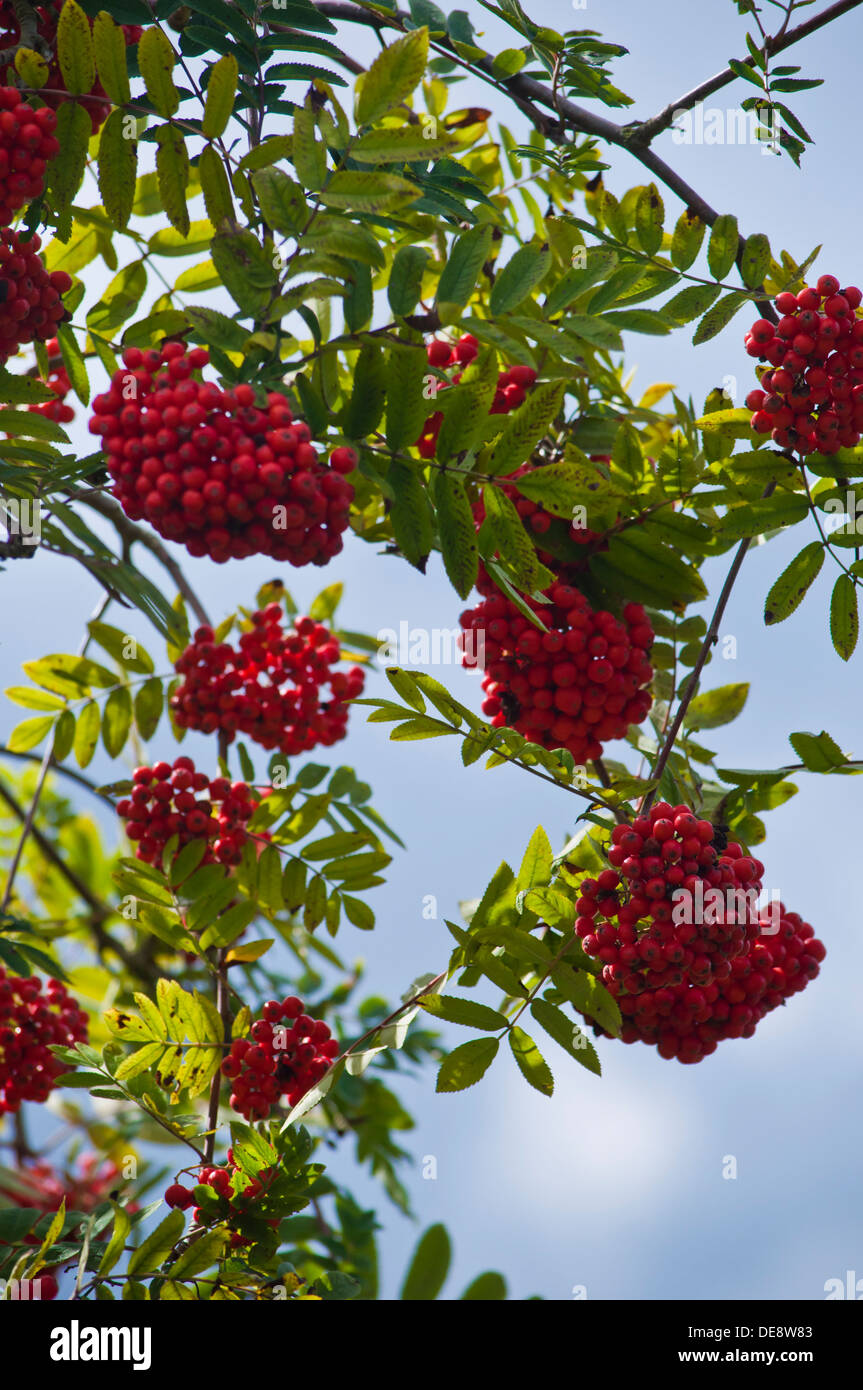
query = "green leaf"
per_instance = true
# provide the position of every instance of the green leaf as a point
(487, 1288)
(510, 537)
(367, 192)
(282, 201)
(600, 261)
(531, 1062)
(392, 76)
(125, 649)
(66, 169)
(716, 318)
(429, 1266)
(716, 707)
(589, 996)
(518, 278)
(467, 1012)
(245, 269)
(649, 219)
(87, 733)
(116, 720)
(220, 208)
(818, 752)
(74, 363)
(410, 514)
(109, 47)
(172, 170)
(690, 303)
(407, 408)
(344, 238)
(844, 619)
(150, 1256)
(467, 1065)
(64, 736)
(117, 1243)
(149, 702)
(156, 62)
(30, 733)
(537, 863)
(457, 532)
(400, 144)
(404, 287)
(221, 90)
(308, 153)
(75, 49)
(467, 256)
(722, 246)
(524, 428)
(755, 261)
(198, 1256)
(229, 925)
(364, 410)
(790, 588)
(566, 1034)
(686, 239)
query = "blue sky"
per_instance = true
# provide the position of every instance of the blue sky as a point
(616, 1184)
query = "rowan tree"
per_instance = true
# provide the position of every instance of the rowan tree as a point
(399, 321)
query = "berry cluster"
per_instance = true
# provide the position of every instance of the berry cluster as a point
(512, 385)
(55, 92)
(574, 686)
(288, 1054)
(269, 686)
(30, 1023)
(30, 302)
(215, 471)
(27, 143)
(811, 396)
(167, 800)
(682, 943)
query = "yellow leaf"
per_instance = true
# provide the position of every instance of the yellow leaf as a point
(221, 90)
(655, 393)
(75, 49)
(156, 61)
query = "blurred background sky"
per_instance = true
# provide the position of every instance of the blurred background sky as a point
(615, 1184)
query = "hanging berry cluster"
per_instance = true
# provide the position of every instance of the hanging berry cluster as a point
(574, 686)
(289, 1052)
(683, 946)
(811, 397)
(212, 469)
(173, 799)
(30, 298)
(512, 385)
(31, 1022)
(276, 687)
(27, 143)
(55, 90)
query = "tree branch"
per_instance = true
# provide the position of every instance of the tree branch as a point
(710, 638)
(134, 534)
(648, 130)
(64, 771)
